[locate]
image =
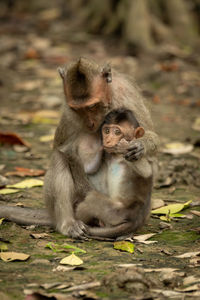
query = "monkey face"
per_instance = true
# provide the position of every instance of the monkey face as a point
(111, 134)
(93, 109)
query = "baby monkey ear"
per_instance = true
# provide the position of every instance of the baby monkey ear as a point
(139, 132)
(62, 72)
(106, 73)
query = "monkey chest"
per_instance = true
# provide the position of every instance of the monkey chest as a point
(116, 175)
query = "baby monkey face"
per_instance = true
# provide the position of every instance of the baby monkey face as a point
(113, 133)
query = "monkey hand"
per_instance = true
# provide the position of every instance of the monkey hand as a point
(76, 229)
(135, 151)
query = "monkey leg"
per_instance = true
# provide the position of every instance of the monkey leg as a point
(123, 222)
(60, 193)
(98, 206)
(25, 215)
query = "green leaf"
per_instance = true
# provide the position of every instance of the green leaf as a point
(71, 260)
(62, 248)
(171, 209)
(124, 246)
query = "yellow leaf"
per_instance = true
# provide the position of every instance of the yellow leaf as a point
(1, 220)
(46, 138)
(177, 148)
(8, 191)
(11, 256)
(171, 209)
(27, 183)
(71, 260)
(124, 246)
(46, 117)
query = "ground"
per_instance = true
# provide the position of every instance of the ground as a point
(29, 82)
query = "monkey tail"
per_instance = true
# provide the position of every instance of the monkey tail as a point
(25, 215)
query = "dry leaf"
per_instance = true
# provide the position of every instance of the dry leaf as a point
(71, 260)
(190, 280)
(195, 212)
(157, 203)
(39, 235)
(26, 184)
(196, 124)
(177, 148)
(188, 254)
(11, 256)
(22, 172)
(144, 237)
(8, 191)
(12, 138)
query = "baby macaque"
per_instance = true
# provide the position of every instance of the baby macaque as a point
(128, 184)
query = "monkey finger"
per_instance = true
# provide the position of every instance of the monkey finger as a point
(138, 146)
(133, 155)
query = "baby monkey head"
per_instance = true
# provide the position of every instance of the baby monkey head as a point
(120, 124)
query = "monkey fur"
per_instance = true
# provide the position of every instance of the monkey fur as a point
(91, 92)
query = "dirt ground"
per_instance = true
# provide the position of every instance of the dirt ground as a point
(31, 50)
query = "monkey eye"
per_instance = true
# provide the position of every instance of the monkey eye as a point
(107, 130)
(92, 107)
(117, 132)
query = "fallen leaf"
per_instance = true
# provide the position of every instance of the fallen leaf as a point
(1, 220)
(62, 248)
(71, 260)
(171, 209)
(195, 287)
(196, 124)
(46, 117)
(84, 286)
(124, 246)
(129, 265)
(39, 235)
(8, 191)
(22, 172)
(27, 183)
(144, 237)
(190, 280)
(195, 212)
(188, 254)
(46, 138)
(11, 256)
(157, 203)
(177, 148)
(12, 138)
(3, 247)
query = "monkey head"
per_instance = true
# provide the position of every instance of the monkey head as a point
(87, 91)
(123, 133)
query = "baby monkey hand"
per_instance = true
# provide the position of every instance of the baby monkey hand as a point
(135, 151)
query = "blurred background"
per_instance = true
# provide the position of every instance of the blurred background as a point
(156, 43)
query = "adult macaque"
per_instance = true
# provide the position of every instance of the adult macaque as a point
(90, 94)
(125, 202)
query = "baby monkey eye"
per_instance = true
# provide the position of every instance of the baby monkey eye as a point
(117, 132)
(107, 130)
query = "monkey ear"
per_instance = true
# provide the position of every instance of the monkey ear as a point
(62, 72)
(106, 73)
(139, 132)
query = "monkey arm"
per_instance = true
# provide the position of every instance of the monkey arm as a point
(65, 183)
(151, 142)
(25, 215)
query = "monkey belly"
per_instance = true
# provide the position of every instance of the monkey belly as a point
(116, 175)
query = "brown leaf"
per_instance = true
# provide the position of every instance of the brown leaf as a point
(22, 172)
(195, 212)
(12, 138)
